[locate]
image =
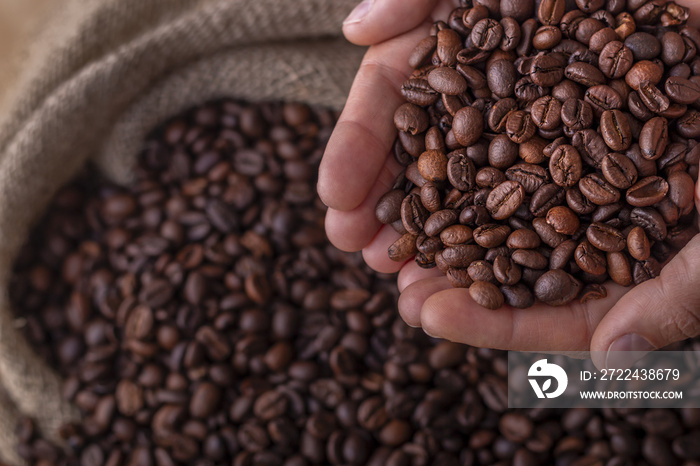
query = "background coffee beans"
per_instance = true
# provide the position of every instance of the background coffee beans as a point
(574, 126)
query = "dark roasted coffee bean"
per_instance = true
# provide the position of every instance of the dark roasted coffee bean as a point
(647, 191)
(486, 294)
(602, 98)
(547, 196)
(576, 114)
(615, 60)
(585, 74)
(388, 208)
(530, 258)
(418, 91)
(653, 138)
(681, 90)
(590, 259)
(644, 46)
(563, 220)
(518, 295)
(598, 191)
(411, 118)
(467, 125)
(505, 199)
(615, 129)
(605, 237)
(556, 288)
(413, 214)
(501, 77)
(506, 271)
(619, 171)
(491, 235)
(565, 166)
(651, 221)
(638, 244)
(643, 71)
(446, 80)
(487, 34)
(546, 71)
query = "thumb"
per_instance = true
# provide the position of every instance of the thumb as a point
(374, 21)
(654, 314)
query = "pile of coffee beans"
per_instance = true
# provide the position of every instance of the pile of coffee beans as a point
(202, 318)
(548, 151)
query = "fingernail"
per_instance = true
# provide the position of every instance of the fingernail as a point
(627, 350)
(359, 12)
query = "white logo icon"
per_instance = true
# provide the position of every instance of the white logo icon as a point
(542, 369)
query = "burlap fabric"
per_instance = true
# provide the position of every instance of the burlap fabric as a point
(100, 77)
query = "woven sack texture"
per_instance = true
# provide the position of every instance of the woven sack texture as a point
(101, 76)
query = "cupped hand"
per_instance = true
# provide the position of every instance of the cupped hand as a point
(358, 167)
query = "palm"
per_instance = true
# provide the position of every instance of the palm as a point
(358, 168)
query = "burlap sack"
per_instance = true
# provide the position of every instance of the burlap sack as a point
(103, 74)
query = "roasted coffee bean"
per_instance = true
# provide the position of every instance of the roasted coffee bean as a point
(501, 78)
(597, 190)
(651, 221)
(446, 80)
(619, 171)
(556, 288)
(652, 97)
(615, 60)
(546, 71)
(602, 97)
(486, 294)
(506, 271)
(585, 74)
(615, 129)
(605, 237)
(590, 259)
(546, 112)
(643, 71)
(547, 196)
(550, 12)
(647, 191)
(418, 91)
(491, 235)
(523, 239)
(530, 258)
(467, 125)
(619, 268)
(681, 90)
(565, 166)
(653, 138)
(576, 114)
(520, 127)
(505, 199)
(388, 208)
(638, 244)
(413, 214)
(412, 118)
(511, 34)
(432, 165)
(563, 220)
(645, 270)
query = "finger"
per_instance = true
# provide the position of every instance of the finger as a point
(374, 21)
(411, 273)
(453, 315)
(354, 229)
(365, 130)
(655, 314)
(375, 254)
(414, 295)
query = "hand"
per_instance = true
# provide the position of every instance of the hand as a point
(358, 168)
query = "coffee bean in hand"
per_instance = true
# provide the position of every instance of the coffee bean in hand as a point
(573, 126)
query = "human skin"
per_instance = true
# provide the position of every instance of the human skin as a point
(357, 168)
